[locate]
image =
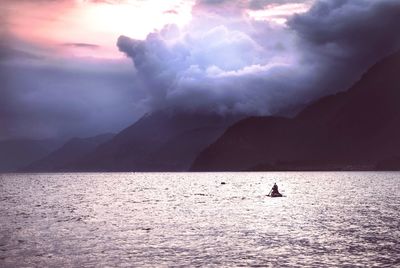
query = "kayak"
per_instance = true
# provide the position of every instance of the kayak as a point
(275, 195)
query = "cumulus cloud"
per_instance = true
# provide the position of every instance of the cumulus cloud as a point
(229, 62)
(217, 67)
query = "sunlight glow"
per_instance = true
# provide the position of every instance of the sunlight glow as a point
(278, 13)
(88, 28)
(96, 23)
(135, 19)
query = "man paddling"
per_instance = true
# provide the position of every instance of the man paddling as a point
(274, 192)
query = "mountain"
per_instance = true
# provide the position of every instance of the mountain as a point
(355, 129)
(16, 154)
(71, 151)
(167, 140)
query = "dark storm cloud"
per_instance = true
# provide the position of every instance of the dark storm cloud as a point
(242, 65)
(355, 27)
(342, 38)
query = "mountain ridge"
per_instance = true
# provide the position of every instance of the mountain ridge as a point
(71, 151)
(18, 153)
(139, 147)
(352, 129)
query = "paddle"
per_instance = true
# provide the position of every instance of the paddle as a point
(269, 193)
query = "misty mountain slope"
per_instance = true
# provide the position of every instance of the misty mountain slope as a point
(352, 129)
(70, 152)
(16, 154)
(163, 140)
(178, 153)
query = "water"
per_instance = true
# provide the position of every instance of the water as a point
(176, 219)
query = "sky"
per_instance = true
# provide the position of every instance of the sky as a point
(84, 67)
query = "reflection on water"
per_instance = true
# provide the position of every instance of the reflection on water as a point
(180, 219)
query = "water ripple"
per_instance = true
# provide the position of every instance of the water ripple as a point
(168, 219)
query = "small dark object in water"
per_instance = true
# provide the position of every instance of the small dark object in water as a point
(274, 192)
(275, 195)
(223, 182)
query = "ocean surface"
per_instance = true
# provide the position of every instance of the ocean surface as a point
(327, 219)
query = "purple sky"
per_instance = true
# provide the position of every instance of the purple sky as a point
(80, 68)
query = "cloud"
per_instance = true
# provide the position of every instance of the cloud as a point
(343, 38)
(229, 62)
(224, 61)
(246, 4)
(81, 45)
(357, 27)
(174, 68)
